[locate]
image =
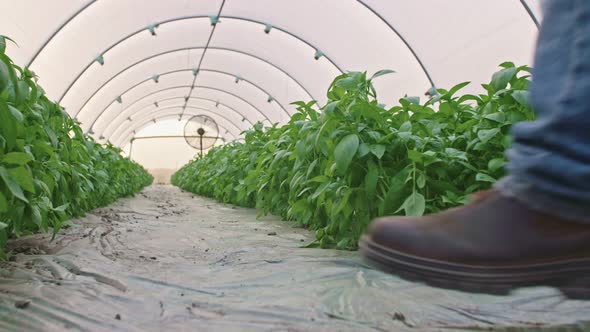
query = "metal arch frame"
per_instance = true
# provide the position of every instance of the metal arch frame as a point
(156, 111)
(125, 138)
(181, 18)
(171, 115)
(403, 39)
(169, 136)
(48, 40)
(411, 49)
(184, 70)
(189, 49)
(143, 112)
(190, 93)
(120, 129)
(130, 138)
(91, 2)
(530, 12)
(145, 124)
(167, 99)
(406, 43)
(188, 86)
(126, 135)
(172, 98)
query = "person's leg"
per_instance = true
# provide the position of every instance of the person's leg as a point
(549, 163)
(533, 229)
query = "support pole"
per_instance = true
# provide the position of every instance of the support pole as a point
(131, 147)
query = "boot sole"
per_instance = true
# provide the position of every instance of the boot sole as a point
(571, 277)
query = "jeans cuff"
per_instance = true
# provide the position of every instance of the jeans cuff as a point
(538, 200)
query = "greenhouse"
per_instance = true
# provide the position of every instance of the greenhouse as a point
(275, 165)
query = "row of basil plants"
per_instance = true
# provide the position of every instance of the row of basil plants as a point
(335, 168)
(50, 171)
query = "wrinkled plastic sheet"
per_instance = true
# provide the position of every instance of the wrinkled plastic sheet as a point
(166, 260)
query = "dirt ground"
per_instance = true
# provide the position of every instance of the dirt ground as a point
(166, 260)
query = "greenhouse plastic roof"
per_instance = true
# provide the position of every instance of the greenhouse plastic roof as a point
(120, 65)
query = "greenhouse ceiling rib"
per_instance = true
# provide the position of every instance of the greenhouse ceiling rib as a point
(121, 126)
(185, 70)
(125, 131)
(131, 137)
(187, 49)
(83, 8)
(122, 116)
(202, 87)
(179, 87)
(169, 136)
(530, 12)
(195, 76)
(117, 121)
(153, 112)
(189, 18)
(124, 139)
(267, 15)
(403, 39)
(238, 98)
(122, 131)
(150, 108)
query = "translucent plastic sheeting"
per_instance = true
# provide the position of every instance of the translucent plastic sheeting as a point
(226, 131)
(227, 128)
(221, 82)
(98, 27)
(167, 261)
(172, 36)
(172, 49)
(282, 49)
(175, 149)
(353, 37)
(463, 40)
(233, 123)
(425, 41)
(230, 63)
(169, 123)
(209, 93)
(162, 149)
(18, 17)
(209, 97)
(220, 109)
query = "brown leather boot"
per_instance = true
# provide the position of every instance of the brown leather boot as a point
(493, 245)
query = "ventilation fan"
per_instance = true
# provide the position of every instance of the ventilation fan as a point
(201, 132)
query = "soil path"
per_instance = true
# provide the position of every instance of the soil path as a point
(166, 260)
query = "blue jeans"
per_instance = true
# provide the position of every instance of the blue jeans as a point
(549, 162)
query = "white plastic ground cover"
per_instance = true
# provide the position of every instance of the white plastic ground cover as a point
(309, 42)
(168, 261)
